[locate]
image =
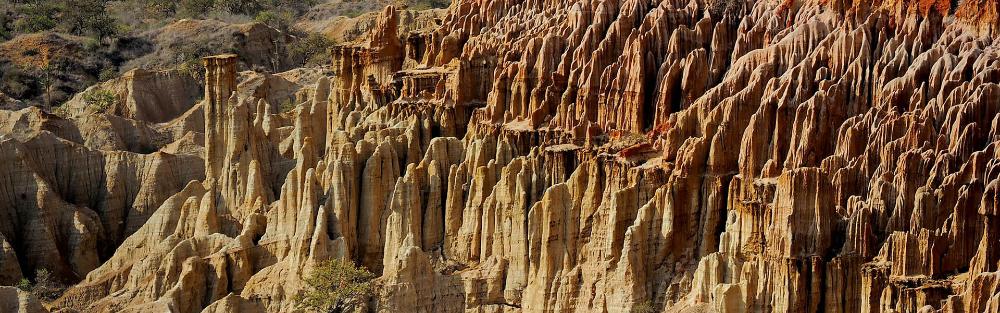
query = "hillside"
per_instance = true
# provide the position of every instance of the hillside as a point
(533, 156)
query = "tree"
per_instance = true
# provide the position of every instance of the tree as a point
(313, 49)
(337, 286)
(34, 17)
(87, 17)
(244, 7)
(280, 20)
(194, 8)
(44, 288)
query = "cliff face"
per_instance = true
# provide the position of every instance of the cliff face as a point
(561, 156)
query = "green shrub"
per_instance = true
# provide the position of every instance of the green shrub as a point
(24, 284)
(353, 12)
(44, 287)
(91, 44)
(150, 9)
(194, 8)
(19, 82)
(244, 7)
(99, 100)
(87, 18)
(280, 20)
(643, 307)
(314, 49)
(60, 111)
(287, 106)
(429, 4)
(108, 73)
(337, 286)
(35, 18)
(6, 25)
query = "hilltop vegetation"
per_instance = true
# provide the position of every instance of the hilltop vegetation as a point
(52, 49)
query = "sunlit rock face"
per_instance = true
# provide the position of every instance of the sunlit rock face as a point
(550, 156)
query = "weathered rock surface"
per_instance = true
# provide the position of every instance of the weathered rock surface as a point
(572, 156)
(151, 96)
(259, 46)
(14, 300)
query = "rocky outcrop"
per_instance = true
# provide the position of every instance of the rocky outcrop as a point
(592, 156)
(260, 47)
(150, 96)
(46, 69)
(17, 301)
(75, 188)
(349, 21)
(66, 207)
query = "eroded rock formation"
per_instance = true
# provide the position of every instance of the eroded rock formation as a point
(566, 156)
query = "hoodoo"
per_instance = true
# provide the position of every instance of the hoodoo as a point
(545, 156)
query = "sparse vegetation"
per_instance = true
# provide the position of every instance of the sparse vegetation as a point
(314, 49)
(207, 8)
(429, 4)
(280, 20)
(33, 17)
(77, 17)
(86, 18)
(287, 106)
(24, 284)
(337, 286)
(44, 287)
(353, 12)
(113, 35)
(107, 74)
(61, 111)
(106, 19)
(99, 100)
(643, 307)
(17, 82)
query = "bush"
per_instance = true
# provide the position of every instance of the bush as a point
(280, 20)
(18, 82)
(194, 8)
(314, 49)
(24, 284)
(108, 73)
(244, 7)
(99, 100)
(91, 45)
(643, 307)
(353, 12)
(429, 4)
(78, 17)
(35, 17)
(337, 286)
(150, 9)
(60, 111)
(87, 18)
(6, 25)
(287, 106)
(44, 288)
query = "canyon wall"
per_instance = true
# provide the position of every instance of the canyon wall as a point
(556, 156)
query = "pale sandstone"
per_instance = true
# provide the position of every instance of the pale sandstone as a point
(684, 157)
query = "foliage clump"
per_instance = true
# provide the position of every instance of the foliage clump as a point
(643, 307)
(77, 17)
(313, 49)
(337, 286)
(429, 4)
(99, 100)
(44, 287)
(287, 106)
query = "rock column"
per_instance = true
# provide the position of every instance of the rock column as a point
(220, 84)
